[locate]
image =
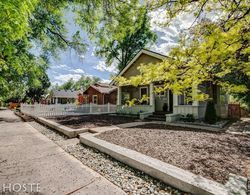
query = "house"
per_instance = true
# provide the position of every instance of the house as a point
(100, 93)
(166, 102)
(63, 96)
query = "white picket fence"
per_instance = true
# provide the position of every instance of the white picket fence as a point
(66, 109)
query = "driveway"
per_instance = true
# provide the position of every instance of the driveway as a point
(29, 161)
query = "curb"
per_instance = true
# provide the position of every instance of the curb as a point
(199, 127)
(69, 132)
(169, 174)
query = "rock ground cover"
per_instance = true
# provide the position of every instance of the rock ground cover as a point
(128, 179)
(91, 121)
(212, 155)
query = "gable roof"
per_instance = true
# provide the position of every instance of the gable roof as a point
(143, 51)
(102, 88)
(65, 93)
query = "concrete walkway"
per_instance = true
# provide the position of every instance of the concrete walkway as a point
(28, 157)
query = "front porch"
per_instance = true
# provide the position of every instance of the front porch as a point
(172, 104)
(161, 102)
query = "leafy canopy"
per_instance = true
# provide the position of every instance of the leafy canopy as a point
(119, 29)
(25, 24)
(82, 84)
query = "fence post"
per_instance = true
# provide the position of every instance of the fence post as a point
(108, 107)
(90, 108)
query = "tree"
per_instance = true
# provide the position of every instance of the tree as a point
(210, 113)
(123, 31)
(23, 25)
(35, 94)
(123, 49)
(214, 51)
(82, 84)
(69, 85)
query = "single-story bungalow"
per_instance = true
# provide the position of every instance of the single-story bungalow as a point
(165, 102)
(63, 96)
(100, 93)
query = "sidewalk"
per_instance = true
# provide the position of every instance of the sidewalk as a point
(26, 157)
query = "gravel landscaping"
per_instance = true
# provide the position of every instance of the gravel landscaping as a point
(128, 179)
(212, 155)
(91, 121)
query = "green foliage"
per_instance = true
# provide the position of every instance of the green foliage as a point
(123, 31)
(35, 94)
(25, 25)
(123, 50)
(210, 113)
(190, 118)
(82, 84)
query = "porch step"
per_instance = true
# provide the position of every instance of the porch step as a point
(157, 117)
(153, 118)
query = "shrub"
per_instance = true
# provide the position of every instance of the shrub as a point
(210, 114)
(190, 118)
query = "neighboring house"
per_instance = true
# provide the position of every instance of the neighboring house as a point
(100, 93)
(165, 102)
(63, 96)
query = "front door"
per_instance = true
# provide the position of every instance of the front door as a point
(164, 101)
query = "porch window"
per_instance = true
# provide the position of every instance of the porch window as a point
(184, 100)
(94, 99)
(125, 97)
(143, 91)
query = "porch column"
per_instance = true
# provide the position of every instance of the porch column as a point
(168, 101)
(119, 96)
(175, 99)
(218, 103)
(194, 91)
(56, 102)
(151, 95)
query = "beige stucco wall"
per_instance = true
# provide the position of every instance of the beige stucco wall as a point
(143, 59)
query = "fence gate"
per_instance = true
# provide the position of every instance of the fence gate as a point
(234, 111)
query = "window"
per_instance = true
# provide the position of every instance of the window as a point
(94, 99)
(125, 97)
(143, 91)
(184, 100)
(161, 94)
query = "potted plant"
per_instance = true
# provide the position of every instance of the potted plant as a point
(165, 107)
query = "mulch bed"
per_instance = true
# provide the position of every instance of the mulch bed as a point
(212, 155)
(91, 121)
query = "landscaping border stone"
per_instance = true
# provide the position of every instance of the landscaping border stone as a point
(71, 133)
(214, 129)
(172, 175)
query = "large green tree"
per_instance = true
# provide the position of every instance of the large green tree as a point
(23, 26)
(122, 49)
(119, 29)
(215, 49)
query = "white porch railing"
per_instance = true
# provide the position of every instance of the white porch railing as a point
(66, 109)
(135, 109)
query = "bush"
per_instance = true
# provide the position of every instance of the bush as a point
(210, 114)
(190, 118)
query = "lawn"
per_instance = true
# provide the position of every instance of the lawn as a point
(91, 121)
(212, 155)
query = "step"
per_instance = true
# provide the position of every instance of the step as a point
(156, 118)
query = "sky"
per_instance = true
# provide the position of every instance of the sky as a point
(70, 65)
